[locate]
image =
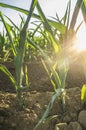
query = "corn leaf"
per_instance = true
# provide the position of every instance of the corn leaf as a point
(47, 27)
(50, 68)
(35, 30)
(49, 107)
(59, 26)
(18, 9)
(12, 23)
(8, 29)
(75, 13)
(19, 59)
(7, 72)
(83, 93)
(83, 9)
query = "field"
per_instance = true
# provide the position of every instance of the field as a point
(42, 70)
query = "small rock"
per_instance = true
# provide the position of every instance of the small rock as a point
(61, 126)
(74, 126)
(27, 110)
(37, 105)
(66, 119)
(82, 118)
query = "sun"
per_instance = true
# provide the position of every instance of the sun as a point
(81, 40)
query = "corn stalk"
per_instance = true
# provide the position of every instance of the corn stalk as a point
(19, 54)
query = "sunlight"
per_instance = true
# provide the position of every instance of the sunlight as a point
(81, 40)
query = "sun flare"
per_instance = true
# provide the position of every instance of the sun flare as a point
(81, 40)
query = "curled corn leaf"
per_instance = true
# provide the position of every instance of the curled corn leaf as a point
(83, 93)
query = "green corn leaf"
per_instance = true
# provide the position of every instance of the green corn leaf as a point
(38, 48)
(63, 69)
(59, 26)
(50, 65)
(83, 9)
(54, 85)
(50, 74)
(19, 59)
(75, 13)
(35, 30)
(55, 76)
(6, 55)
(12, 23)
(14, 7)
(49, 107)
(7, 72)
(78, 27)
(8, 29)
(14, 27)
(83, 93)
(45, 67)
(68, 14)
(19, 9)
(65, 16)
(26, 75)
(47, 27)
(22, 18)
(84, 1)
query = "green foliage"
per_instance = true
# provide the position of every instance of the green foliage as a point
(8, 30)
(50, 105)
(83, 9)
(18, 53)
(83, 95)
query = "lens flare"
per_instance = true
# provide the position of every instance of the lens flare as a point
(81, 44)
(81, 40)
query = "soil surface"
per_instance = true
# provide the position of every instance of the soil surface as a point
(37, 99)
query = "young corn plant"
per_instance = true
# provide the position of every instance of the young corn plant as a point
(57, 70)
(58, 76)
(19, 54)
(4, 48)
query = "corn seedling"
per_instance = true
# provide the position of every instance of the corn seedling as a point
(58, 77)
(19, 54)
(4, 48)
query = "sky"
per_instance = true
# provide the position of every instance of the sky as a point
(49, 7)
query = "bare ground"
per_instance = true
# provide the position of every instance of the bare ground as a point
(37, 99)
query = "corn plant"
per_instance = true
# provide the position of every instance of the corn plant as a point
(19, 54)
(4, 48)
(58, 78)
